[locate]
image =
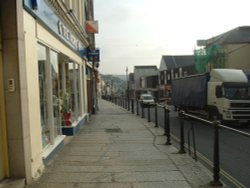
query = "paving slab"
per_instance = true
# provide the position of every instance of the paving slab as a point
(119, 149)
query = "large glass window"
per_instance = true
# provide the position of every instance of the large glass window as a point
(49, 90)
(65, 92)
(77, 91)
(74, 88)
(43, 95)
(70, 91)
(55, 92)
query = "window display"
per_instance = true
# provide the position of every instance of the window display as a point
(49, 94)
(60, 92)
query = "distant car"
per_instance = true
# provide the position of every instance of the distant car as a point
(146, 99)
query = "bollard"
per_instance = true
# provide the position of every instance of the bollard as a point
(149, 120)
(216, 168)
(132, 107)
(137, 108)
(167, 127)
(128, 104)
(156, 116)
(182, 148)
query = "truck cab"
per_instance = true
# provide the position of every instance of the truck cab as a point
(229, 95)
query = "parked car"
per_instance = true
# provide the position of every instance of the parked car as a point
(146, 99)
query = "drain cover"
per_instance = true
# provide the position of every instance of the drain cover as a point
(113, 130)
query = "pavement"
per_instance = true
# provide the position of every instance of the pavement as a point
(118, 149)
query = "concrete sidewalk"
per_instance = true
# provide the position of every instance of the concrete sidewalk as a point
(117, 149)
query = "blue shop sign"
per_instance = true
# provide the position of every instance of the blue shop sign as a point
(41, 10)
(93, 55)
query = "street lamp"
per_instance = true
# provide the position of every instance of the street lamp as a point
(128, 88)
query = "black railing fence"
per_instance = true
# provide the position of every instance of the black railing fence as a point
(152, 115)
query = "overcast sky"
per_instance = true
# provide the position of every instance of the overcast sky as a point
(139, 32)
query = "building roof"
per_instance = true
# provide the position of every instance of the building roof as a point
(172, 62)
(146, 67)
(237, 35)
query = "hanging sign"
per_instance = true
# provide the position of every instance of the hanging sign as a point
(93, 55)
(91, 26)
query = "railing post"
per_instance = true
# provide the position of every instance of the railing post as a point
(142, 111)
(216, 168)
(128, 104)
(149, 119)
(167, 125)
(137, 107)
(182, 141)
(165, 120)
(156, 115)
(132, 107)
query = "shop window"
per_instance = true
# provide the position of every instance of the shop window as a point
(74, 88)
(55, 92)
(49, 89)
(43, 94)
(70, 92)
(65, 94)
(77, 91)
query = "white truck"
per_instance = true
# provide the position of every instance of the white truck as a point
(223, 94)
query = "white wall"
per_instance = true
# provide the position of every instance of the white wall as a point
(238, 56)
(33, 93)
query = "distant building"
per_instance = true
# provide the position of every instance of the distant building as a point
(172, 67)
(235, 45)
(140, 74)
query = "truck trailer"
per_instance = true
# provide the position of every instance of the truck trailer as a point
(222, 94)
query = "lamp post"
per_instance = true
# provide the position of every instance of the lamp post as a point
(128, 88)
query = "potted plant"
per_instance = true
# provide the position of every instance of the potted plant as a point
(65, 109)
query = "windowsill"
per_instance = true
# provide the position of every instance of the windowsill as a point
(76, 126)
(50, 148)
(76, 122)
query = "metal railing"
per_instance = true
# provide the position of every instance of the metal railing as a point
(182, 116)
(216, 157)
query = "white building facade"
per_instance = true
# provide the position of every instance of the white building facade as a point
(43, 94)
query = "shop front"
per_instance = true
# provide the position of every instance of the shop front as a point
(56, 83)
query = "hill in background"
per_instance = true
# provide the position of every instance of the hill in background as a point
(118, 83)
